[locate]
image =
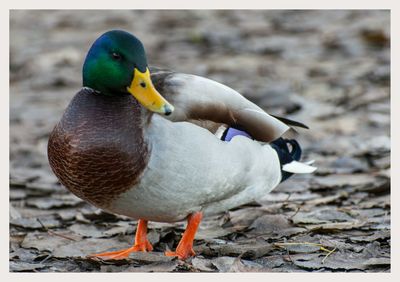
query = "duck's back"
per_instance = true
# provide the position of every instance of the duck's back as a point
(97, 150)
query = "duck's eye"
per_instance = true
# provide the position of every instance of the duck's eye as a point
(143, 84)
(116, 56)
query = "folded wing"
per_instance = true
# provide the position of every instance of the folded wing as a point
(199, 98)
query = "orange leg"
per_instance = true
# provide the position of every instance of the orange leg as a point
(185, 246)
(141, 244)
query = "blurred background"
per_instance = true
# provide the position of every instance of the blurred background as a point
(328, 69)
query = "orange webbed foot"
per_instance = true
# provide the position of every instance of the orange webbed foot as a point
(181, 254)
(185, 246)
(123, 254)
(141, 245)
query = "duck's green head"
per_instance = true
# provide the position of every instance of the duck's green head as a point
(116, 64)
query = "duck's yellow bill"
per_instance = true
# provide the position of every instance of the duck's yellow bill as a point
(144, 91)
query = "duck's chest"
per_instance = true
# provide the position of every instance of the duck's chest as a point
(97, 150)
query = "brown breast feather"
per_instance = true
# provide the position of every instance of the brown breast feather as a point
(97, 150)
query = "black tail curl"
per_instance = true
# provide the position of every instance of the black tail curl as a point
(286, 154)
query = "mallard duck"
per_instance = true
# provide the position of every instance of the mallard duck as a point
(157, 145)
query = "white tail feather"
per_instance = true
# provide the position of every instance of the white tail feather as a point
(298, 167)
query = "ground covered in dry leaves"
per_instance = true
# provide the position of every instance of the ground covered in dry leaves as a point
(328, 69)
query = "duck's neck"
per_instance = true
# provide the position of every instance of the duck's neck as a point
(98, 150)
